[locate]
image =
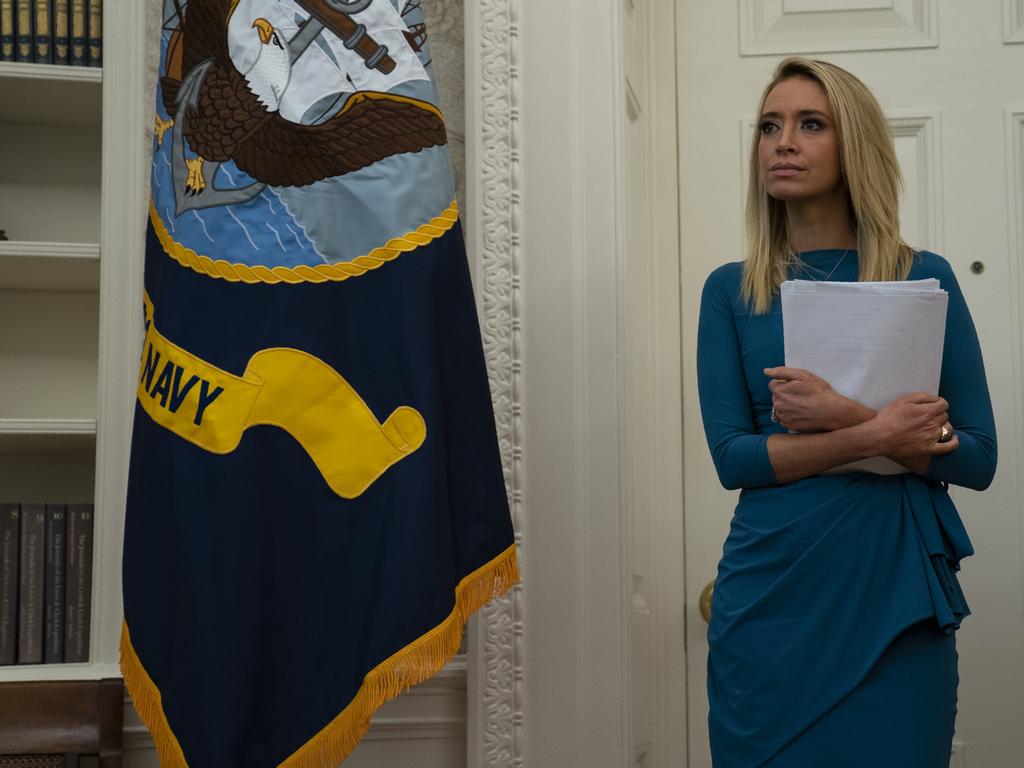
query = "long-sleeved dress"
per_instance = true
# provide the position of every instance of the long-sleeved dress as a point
(831, 638)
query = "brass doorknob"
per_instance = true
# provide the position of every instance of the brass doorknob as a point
(705, 601)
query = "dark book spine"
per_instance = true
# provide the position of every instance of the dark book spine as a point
(54, 605)
(30, 588)
(42, 33)
(95, 33)
(79, 583)
(7, 37)
(10, 528)
(23, 30)
(61, 37)
(78, 39)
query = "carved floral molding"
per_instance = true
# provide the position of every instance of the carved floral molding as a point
(501, 623)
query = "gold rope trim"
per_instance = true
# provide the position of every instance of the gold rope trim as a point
(419, 660)
(319, 273)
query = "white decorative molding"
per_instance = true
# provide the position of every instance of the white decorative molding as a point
(919, 152)
(494, 717)
(1015, 198)
(1013, 21)
(806, 26)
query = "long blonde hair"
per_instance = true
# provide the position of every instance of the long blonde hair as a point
(870, 173)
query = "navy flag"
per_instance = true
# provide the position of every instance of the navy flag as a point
(315, 501)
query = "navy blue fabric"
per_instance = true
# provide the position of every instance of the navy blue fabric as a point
(256, 598)
(818, 576)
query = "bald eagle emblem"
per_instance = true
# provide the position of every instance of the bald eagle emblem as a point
(232, 107)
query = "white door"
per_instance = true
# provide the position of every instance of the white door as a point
(950, 77)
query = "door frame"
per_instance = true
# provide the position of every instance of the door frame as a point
(549, 664)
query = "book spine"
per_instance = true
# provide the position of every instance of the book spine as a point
(78, 40)
(95, 33)
(79, 583)
(42, 34)
(23, 30)
(61, 38)
(7, 38)
(10, 528)
(54, 589)
(30, 588)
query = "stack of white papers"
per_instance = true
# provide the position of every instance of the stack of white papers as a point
(872, 342)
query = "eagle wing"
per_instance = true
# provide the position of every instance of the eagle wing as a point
(227, 113)
(229, 122)
(370, 127)
(205, 30)
(203, 33)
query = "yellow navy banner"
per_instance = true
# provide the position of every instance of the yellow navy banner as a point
(287, 388)
(316, 501)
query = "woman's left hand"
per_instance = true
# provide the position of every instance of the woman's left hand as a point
(807, 403)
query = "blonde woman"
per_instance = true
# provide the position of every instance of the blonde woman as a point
(835, 604)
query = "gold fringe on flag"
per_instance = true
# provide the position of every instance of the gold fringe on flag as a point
(419, 660)
(146, 700)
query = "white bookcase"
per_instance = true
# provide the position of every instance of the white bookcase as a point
(73, 204)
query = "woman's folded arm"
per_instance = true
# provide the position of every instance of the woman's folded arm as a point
(743, 457)
(904, 431)
(964, 385)
(739, 453)
(797, 456)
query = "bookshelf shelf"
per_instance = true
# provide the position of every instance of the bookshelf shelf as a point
(26, 71)
(38, 266)
(46, 435)
(25, 672)
(50, 94)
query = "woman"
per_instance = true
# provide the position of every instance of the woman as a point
(831, 638)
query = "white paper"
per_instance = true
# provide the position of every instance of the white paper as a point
(872, 342)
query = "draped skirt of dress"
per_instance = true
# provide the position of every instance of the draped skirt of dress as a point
(831, 639)
(901, 716)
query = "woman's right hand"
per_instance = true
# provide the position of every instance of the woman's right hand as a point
(911, 425)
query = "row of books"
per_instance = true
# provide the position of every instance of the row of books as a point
(45, 582)
(52, 32)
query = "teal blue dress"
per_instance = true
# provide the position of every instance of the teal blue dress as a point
(831, 638)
